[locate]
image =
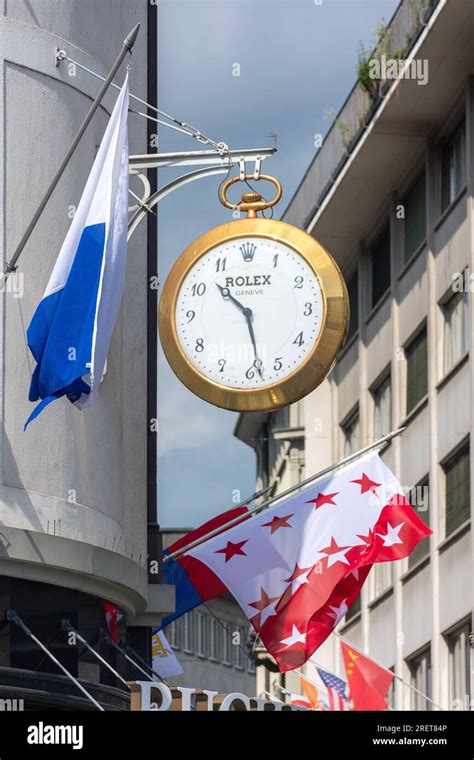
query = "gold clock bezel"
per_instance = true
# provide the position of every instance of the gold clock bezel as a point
(320, 359)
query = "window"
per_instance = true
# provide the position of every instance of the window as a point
(458, 490)
(239, 647)
(391, 692)
(179, 632)
(381, 266)
(419, 500)
(380, 579)
(382, 396)
(353, 292)
(420, 678)
(453, 166)
(416, 355)
(350, 430)
(215, 641)
(172, 634)
(455, 330)
(354, 609)
(459, 667)
(415, 216)
(226, 645)
(188, 632)
(201, 637)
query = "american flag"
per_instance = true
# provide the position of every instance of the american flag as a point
(336, 690)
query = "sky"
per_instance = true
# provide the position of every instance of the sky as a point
(297, 63)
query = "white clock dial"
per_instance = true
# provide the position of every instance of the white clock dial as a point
(249, 312)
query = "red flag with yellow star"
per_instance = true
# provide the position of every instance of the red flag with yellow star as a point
(368, 682)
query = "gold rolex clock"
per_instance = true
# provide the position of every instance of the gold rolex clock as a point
(254, 312)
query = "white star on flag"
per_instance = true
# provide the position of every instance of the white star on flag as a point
(295, 638)
(338, 612)
(392, 537)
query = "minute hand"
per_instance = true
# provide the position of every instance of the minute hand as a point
(257, 363)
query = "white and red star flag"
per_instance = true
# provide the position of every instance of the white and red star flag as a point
(296, 568)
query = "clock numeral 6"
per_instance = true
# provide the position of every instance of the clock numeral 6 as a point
(299, 282)
(299, 340)
(198, 290)
(199, 345)
(308, 309)
(278, 363)
(190, 315)
(250, 374)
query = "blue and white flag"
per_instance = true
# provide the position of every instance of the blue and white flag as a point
(71, 329)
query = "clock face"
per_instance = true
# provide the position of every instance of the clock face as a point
(249, 312)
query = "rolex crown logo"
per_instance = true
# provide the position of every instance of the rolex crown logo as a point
(248, 251)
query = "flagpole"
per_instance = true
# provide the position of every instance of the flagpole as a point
(387, 670)
(67, 627)
(380, 443)
(127, 46)
(242, 503)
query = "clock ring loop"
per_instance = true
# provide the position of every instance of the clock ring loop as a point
(250, 201)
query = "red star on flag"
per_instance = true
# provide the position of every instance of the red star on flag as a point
(298, 577)
(231, 549)
(323, 498)
(277, 523)
(297, 573)
(366, 484)
(264, 600)
(368, 538)
(336, 553)
(264, 603)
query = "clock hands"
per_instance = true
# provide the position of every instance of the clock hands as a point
(258, 364)
(226, 294)
(248, 314)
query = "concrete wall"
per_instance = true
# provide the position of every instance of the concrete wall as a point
(80, 476)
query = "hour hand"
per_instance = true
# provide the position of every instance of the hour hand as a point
(227, 295)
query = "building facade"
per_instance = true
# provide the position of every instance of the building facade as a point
(390, 194)
(76, 490)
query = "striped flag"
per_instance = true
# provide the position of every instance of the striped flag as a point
(70, 332)
(336, 690)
